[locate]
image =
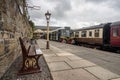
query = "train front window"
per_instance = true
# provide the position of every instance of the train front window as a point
(115, 32)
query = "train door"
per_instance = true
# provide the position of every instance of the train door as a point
(119, 32)
(115, 36)
(106, 34)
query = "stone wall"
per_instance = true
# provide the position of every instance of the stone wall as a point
(13, 24)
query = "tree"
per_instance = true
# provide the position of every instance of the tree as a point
(32, 24)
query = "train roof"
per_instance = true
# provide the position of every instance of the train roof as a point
(91, 27)
(57, 29)
(45, 27)
(115, 23)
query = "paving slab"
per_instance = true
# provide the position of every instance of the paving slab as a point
(56, 58)
(74, 74)
(102, 73)
(73, 57)
(49, 55)
(56, 66)
(56, 49)
(80, 63)
(64, 54)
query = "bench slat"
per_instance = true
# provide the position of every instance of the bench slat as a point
(38, 51)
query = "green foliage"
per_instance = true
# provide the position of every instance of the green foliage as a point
(32, 24)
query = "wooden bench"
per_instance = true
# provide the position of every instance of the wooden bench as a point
(30, 54)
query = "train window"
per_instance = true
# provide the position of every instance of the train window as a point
(97, 33)
(77, 34)
(115, 32)
(67, 33)
(83, 34)
(97, 30)
(90, 33)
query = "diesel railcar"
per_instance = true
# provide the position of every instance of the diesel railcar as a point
(60, 34)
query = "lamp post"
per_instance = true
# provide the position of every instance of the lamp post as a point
(47, 18)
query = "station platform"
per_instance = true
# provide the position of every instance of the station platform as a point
(61, 64)
(64, 65)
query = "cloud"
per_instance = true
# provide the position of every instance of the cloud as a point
(76, 13)
(62, 6)
(110, 3)
(115, 5)
(96, 1)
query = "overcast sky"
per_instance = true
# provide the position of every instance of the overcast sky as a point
(75, 13)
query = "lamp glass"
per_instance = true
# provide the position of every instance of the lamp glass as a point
(47, 15)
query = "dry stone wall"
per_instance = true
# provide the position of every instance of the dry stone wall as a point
(13, 24)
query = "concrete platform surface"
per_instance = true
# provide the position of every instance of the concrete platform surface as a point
(102, 73)
(74, 74)
(56, 66)
(73, 57)
(64, 65)
(80, 63)
(56, 58)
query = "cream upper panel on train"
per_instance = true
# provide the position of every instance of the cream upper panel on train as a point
(91, 33)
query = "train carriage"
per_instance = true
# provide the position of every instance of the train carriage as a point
(104, 35)
(115, 35)
(91, 35)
